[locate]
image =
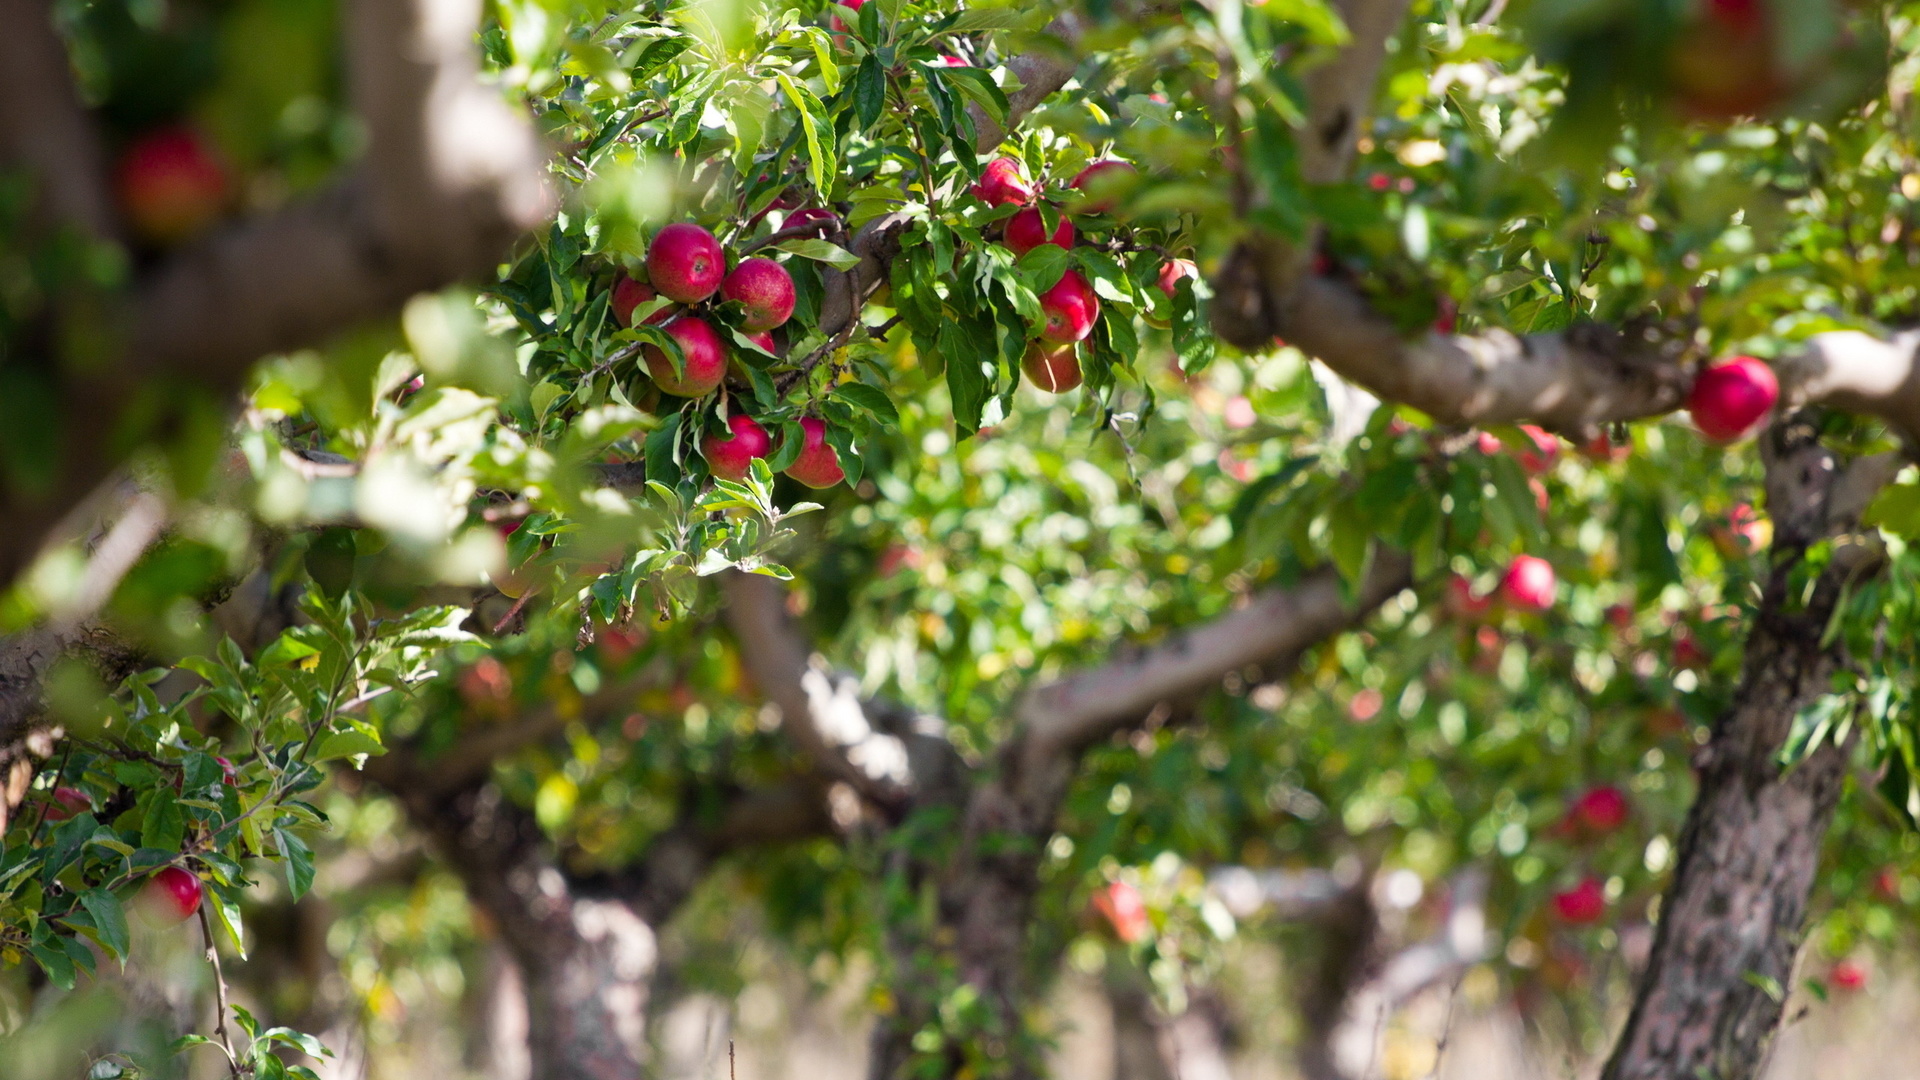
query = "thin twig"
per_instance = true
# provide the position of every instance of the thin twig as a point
(501, 626)
(47, 803)
(219, 990)
(731, 1074)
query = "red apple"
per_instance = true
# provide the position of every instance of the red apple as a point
(812, 215)
(1365, 705)
(731, 458)
(818, 465)
(172, 895)
(1100, 183)
(1003, 181)
(1849, 975)
(706, 360)
(1601, 810)
(1722, 63)
(1238, 413)
(1173, 271)
(1687, 652)
(1601, 448)
(765, 288)
(1582, 905)
(1728, 399)
(685, 263)
(1054, 368)
(1463, 604)
(170, 185)
(1025, 231)
(66, 802)
(1070, 309)
(951, 60)
(764, 339)
(854, 4)
(1529, 583)
(1125, 910)
(628, 295)
(1546, 450)
(228, 776)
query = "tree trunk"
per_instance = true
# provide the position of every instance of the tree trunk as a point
(1731, 921)
(586, 963)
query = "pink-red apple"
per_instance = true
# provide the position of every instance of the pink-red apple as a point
(1529, 583)
(1026, 231)
(66, 802)
(170, 185)
(951, 60)
(1125, 910)
(1070, 308)
(1728, 399)
(172, 896)
(1054, 368)
(1004, 182)
(1722, 64)
(1601, 810)
(731, 458)
(1849, 975)
(818, 465)
(856, 5)
(766, 290)
(1099, 185)
(685, 263)
(1582, 905)
(1172, 271)
(706, 360)
(627, 297)
(1545, 451)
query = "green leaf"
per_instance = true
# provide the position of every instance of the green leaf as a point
(819, 250)
(108, 920)
(967, 349)
(299, 862)
(821, 168)
(869, 92)
(1041, 268)
(335, 745)
(870, 398)
(164, 825)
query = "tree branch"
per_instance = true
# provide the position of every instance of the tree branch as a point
(1340, 92)
(1082, 708)
(820, 710)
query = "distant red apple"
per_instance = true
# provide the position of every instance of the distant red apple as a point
(228, 775)
(1728, 399)
(1365, 705)
(1449, 316)
(487, 682)
(1529, 583)
(1601, 810)
(1582, 905)
(172, 895)
(1602, 448)
(706, 360)
(1687, 652)
(1462, 603)
(1238, 413)
(1886, 883)
(1026, 231)
(1722, 64)
(1849, 975)
(1125, 910)
(1621, 616)
(951, 60)
(685, 263)
(1100, 184)
(1070, 308)
(1004, 181)
(1546, 450)
(731, 458)
(66, 802)
(170, 185)
(818, 465)
(765, 288)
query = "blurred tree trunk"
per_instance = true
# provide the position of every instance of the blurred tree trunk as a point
(1731, 921)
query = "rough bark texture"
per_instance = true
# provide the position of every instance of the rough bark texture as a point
(1731, 921)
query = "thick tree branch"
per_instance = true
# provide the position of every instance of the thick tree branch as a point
(1279, 622)
(1340, 92)
(820, 710)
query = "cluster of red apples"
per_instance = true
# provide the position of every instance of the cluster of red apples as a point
(686, 265)
(1068, 309)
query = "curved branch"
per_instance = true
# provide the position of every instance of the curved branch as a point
(820, 710)
(1070, 713)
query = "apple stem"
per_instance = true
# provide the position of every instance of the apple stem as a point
(219, 989)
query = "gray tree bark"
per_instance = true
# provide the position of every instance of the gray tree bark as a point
(1731, 921)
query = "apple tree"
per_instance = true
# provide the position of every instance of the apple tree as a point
(990, 488)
